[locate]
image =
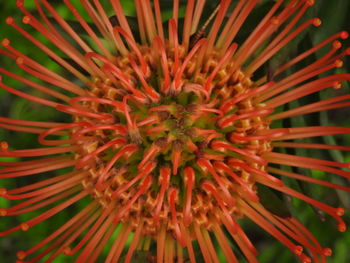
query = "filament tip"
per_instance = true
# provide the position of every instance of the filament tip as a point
(344, 35)
(9, 20)
(3, 212)
(317, 22)
(24, 226)
(21, 255)
(327, 252)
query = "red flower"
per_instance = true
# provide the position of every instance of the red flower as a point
(171, 135)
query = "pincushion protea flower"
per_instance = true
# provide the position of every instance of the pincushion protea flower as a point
(171, 132)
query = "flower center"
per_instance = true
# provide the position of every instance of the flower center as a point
(170, 149)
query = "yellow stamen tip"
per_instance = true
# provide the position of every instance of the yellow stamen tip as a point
(21, 255)
(327, 252)
(3, 212)
(5, 42)
(317, 22)
(24, 226)
(26, 20)
(9, 20)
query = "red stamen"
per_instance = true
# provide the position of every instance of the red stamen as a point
(176, 156)
(148, 16)
(229, 120)
(226, 106)
(161, 235)
(301, 159)
(259, 220)
(246, 10)
(123, 22)
(145, 69)
(92, 12)
(274, 158)
(305, 54)
(41, 71)
(10, 193)
(79, 112)
(222, 146)
(159, 20)
(198, 10)
(293, 233)
(29, 97)
(141, 20)
(157, 129)
(223, 7)
(163, 180)
(35, 85)
(149, 90)
(228, 25)
(280, 41)
(119, 244)
(311, 146)
(177, 79)
(54, 130)
(125, 152)
(86, 253)
(212, 250)
(209, 187)
(224, 243)
(197, 89)
(336, 213)
(206, 167)
(22, 129)
(202, 244)
(323, 105)
(143, 187)
(188, 240)
(228, 54)
(54, 166)
(43, 200)
(153, 119)
(62, 23)
(232, 162)
(107, 23)
(134, 242)
(173, 37)
(187, 23)
(102, 244)
(274, 134)
(148, 168)
(222, 167)
(164, 63)
(173, 198)
(117, 129)
(257, 34)
(149, 155)
(313, 131)
(118, 142)
(41, 193)
(30, 123)
(48, 51)
(45, 215)
(91, 232)
(87, 28)
(306, 89)
(189, 179)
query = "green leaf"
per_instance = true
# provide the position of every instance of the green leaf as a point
(272, 202)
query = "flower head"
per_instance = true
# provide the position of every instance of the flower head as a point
(171, 132)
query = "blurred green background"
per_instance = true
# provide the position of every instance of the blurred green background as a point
(335, 15)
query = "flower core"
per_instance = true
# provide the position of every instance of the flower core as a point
(167, 138)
